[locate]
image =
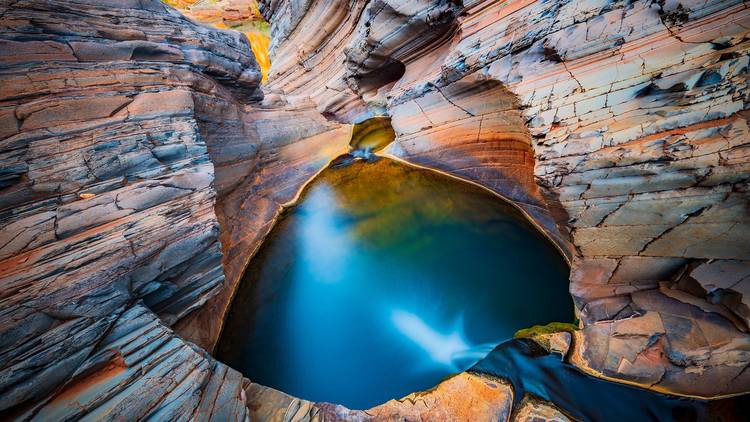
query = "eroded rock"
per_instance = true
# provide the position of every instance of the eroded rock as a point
(107, 198)
(621, 123)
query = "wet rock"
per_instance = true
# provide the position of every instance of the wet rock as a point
(372, 135)
(538, 411)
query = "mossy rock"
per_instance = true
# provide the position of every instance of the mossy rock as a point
(547, 336)
(552, 327)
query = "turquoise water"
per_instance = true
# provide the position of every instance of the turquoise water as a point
(383, 280)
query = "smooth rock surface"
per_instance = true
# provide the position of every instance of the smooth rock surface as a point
(492, 400)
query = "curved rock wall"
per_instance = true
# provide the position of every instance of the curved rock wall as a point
(139, 164)
(625, 120)
(264, 154)
(108, 199)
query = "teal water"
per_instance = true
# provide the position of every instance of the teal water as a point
(383, 280)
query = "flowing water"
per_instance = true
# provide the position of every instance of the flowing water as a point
(383, 280)
(531, 370)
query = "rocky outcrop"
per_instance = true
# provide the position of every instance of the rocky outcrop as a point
(491, 399)
(107, 187)
(139, 164)
(107, 195)
(537, 410)
(141, 371)
(624, 121)
(240, 15)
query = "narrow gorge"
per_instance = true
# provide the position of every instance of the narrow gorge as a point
(424, 210)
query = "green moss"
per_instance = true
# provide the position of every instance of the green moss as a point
(552, 327)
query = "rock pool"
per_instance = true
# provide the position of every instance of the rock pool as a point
(382, 280)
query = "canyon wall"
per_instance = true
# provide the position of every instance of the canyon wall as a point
(140, 169)
(107, 194)
(621, 123)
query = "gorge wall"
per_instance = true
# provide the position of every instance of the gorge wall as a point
(108, 203)
(626, 119)
(142, 165)
(121, 123)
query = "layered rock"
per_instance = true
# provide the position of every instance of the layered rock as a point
(240, 15)
(107, 191)
(121, 124)
(491, 399)
(141, 371)
(624, 120)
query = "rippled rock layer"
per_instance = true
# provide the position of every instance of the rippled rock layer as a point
(121, 123)
(107, 185)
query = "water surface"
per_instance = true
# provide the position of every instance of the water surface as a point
(383, 280)
(532, 371)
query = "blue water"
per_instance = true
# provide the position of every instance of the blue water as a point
(531, 370)
(383, 280)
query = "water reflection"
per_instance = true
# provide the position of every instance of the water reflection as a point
(383, 280)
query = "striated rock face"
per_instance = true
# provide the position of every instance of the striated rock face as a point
(141, 371)
(108, 197)
(623, 123)
(140, 170)
(107, 187)
(240, 15)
